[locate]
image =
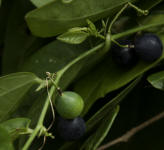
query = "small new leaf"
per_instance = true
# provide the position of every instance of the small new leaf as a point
(76, 29)
(73, 36)
(92, 27)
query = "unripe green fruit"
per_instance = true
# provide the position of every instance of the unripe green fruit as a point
(69, 105)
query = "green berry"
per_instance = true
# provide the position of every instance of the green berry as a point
(69, 105)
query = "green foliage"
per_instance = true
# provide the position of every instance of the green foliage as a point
(108, 77)
(52, 57)
(12, 88)
(51, 20)
(78, 52)
(73, 37)
(16, 126)
(157, 80)
(5, 140)
(154, 18)
(99, 115)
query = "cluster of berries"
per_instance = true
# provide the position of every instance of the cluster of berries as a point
(69, 106)
(147, 47)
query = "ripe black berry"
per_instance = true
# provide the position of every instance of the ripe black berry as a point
(70, 130)
(124, 56)
(148, 47)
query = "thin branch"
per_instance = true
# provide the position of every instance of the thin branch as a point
(52, 109)
(132, 132)
(40, 121)
(116, 17)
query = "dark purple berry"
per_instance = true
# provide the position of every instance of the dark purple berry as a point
(148, 47)
(72, 129)
(124, 56)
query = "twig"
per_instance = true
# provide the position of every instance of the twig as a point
(40, 121)
(116, 17)
(132, 132)
(52, 109)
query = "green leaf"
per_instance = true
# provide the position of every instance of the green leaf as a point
(39, 3)
(92, 26)
(5, 140)
(157, 80)
(78, 66)
(154, 18)
(110, 105)
(12, 88)
(57, 17)
(75, 37)
(16, 126)
(107, 77)
(53, 57)
(98, 136)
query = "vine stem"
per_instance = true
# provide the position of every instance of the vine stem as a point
(134, 30)
(52, 91)
(145, 12)
(116, 17)
(40, 121)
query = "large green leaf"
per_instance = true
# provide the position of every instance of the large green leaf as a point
(16, 126)
(53, 57)
(156, 17)
(5, 140)
(51, 20)
(98, 136)
(68, 60)
(157, 80)
(12, 88)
